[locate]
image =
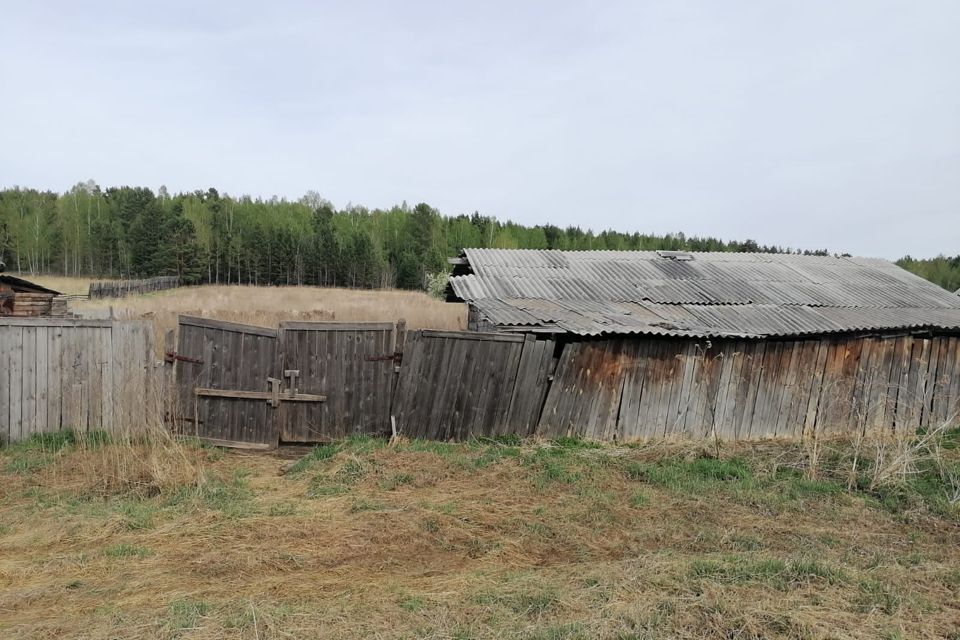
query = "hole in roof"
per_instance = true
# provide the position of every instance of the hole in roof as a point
(675, 255)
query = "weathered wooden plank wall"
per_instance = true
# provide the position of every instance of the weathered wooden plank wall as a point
(77, 374)
(634, 389)
(352, 364)
(233, 357)
(457, 385)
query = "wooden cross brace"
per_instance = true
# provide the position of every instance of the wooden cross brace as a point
(273, 396)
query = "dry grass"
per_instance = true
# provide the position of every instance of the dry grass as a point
(478, 540)
(64, 284)
(268, 306)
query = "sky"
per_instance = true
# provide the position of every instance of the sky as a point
(811, 123)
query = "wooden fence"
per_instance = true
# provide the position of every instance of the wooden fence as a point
(76, 374)
(96, 374)
(121, 288)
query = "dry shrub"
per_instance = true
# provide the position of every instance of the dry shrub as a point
(149, 463)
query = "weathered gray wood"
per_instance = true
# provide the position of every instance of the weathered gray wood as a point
(257, 395)
(208, 323)
(7, 345)
(469, 335)
(6, 321)
(337, 326)
(349, 363)
(235, 358)
(16, 387)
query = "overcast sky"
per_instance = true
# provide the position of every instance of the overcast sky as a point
(808, 123)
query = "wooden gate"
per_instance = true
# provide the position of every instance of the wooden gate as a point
(352, 363)
(252, 387)
(458, 385)
(224, 373)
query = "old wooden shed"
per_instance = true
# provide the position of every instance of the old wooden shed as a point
(727, 345)
(20, 298)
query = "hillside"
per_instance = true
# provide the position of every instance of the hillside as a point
(550, 540)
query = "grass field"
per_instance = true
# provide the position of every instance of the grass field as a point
(549, 540)
(267, 306)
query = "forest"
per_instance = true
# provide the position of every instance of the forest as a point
(209, 237)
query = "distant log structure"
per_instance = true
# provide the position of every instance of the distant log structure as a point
(122, 288)
(22, 299)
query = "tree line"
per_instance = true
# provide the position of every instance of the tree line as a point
(209, 237)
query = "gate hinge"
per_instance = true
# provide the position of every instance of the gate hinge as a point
(395, 357)
(172, 356)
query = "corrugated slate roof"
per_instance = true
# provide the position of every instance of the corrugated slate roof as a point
(704, 294)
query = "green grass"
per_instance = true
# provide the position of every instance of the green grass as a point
(692, 476)
(319, 453)
(231, 497)
(531, 602)
(40, 449)
(124, 550)
(493, 454)
(395, 481)
(567, 442)
(410, 603)
(282, 509)
(930, 489)
(570, 631)
(774, 571)
(639, 499)
(552, 465)
(184, 613)
(360, 505)
(878, 596)
(137, 514)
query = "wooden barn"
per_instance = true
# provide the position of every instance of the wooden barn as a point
(723, 345)
(20, 298)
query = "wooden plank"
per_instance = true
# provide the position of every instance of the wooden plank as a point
(470, 335)
(448, 380)
(6, 321)
(910, 393)
(16, 385)
(747, 424)
(95, 380)
(223, 325)
(870, 390)
(257, 395)
(652, 383)
(789, 361)
(743, 385)
(290, 325)
(42, 382)
(554, 419)
(107, 365)
(235, 444)
(952, 416)
(628, 426)
(28, 399)
(929, 380)
(690, 355)
(724, 393)
(404, 402)
(489, 360)
(6, 347)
